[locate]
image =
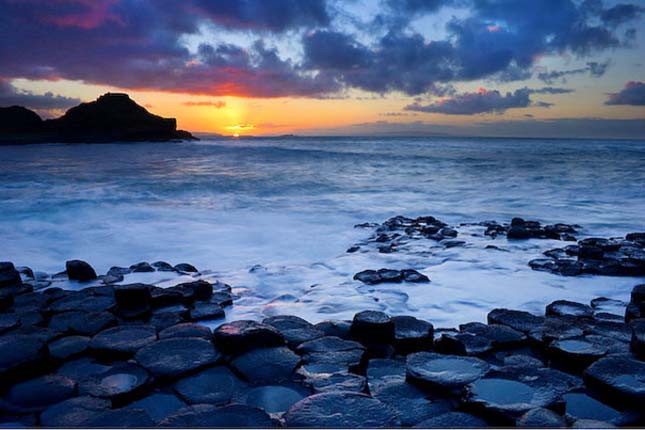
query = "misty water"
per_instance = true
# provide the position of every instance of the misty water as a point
(274, 217)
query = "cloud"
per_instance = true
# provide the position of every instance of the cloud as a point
(620, 14)
(632, 94)
(12, 96)
(485, 101)
(216, 104)
(595, 69)
(549, 90)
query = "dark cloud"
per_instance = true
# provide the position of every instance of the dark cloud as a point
(485, 101)
(593, 68)
(632, 94)
(11, 96)
(620, 14)
(216, 104)
(549, 90)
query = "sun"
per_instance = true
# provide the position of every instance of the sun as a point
(236, 135)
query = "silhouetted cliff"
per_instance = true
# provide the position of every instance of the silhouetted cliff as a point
(111, 118)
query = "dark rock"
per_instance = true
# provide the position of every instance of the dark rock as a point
(8, 321)
(37, 394)
(272, 398)
(9, 276)
(550, 381)
(617, 379)
(206, 311)
(185, 267)
(110, 279)
(463, 344)
(82, 323)
(445, 372)
(638, 294)
(215, 385)
(504, 400)
(174, 357)
(614, 330)
(638, 338)
(201, 289)
(162, 266)
(633, 312)
(518, 320)
(353, 249)
(575, 353)
(500, 336)
(339, 409)
(222, 298)
(382, 371)
(78, 270)
(142, 267)
(20, 353)
(81, 368)
(410, 404)
(82, 301)
(243, 335)
(123, 341)
(581, 406)
(412, 334)
(297, 336)
(287, 322)
(591, 424)
(453, 420)
(186, 330)
(121, 383)
(518, 232)
(339, 381)
(162, 297)
(636, 237)
(133, 301)
(368, 277)
(541, 417)
(68, 347)
(158, 406)
(121, 418)
(118, 271)
(74, 413)
(410, 275)
(563, 308)
(372, 326)
(232, 416)
(163, 320)
(266, 365)
(337, 328)
(328, 344)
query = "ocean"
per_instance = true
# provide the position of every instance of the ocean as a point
(273, 217)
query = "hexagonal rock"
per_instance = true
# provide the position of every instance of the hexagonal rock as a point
(337, 328)
(142, 267)
(78, 270)
(174, 357)
(339, 409)
(453, 420)
(186, 330)
(20, 353)
(591, 424)
(82, 323)
(123, 341)
(9, 276)
(500, 336)
(121, 418)
(412, 334)
(382, 371)
(410, 403)
(638, 338)
(186, 267)
(541, 417)
(618, 379)
(638, 294)
(162, 266)
(133, 300)
(298, 336)
(68, 347)
(82, 301)
(158, 405)
(372, 327)
(202, 290)
(215, 385)
(8, 321)
(206, 311)
(120, 383)
(287, 322)
(266, 365)
(273, 398)
(445, 372)
(463, 344)
(563, 308)
(506, 399)
(518, 320)
(36, 394)
(340, 381)
(231, 416)
(342, 353)
(72, 413)
(575, 353)
(581, 406)
(240, 336)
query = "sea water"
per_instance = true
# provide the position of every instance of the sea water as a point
(274, 217)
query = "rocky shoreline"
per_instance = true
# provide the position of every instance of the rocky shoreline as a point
(117, 354)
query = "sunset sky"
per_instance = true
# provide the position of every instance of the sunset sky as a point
(335, 67)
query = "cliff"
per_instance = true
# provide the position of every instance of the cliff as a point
(112, 117)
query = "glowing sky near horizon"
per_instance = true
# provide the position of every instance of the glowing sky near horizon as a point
(292, 66)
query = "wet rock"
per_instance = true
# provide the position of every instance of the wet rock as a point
(453, 420)
(445, 372)
(412, 334)
(335, 328)
(74, 413)
(232, 416)
(410, 275)
(389, 275)
(82, 323)
(162, 266)
(287, 322)
(518, 320)
(368, 277)
(8, 321)
(518, 232)
(353, 249)
(133, 301)
(174, 357)
(222, 298)
(163, 320)
(591, 424)
(581, 406)
(9, 276)
(638, 294)
(186, 330)
(121, 418)
(158, 406)
(382, 371)
(118, 271)
(215, 385)
(500, 336)
(410, 404)
(162, 297)
(615, 330)
(142, 267)
(78, 270)
(123, 341)
(463, 344)
(297, 336)
(564, 308)
(638, 338)
(372, 326)
(266, 365)
(206, 311)
(338, 409)
(36, 394)
(617, 379)
(185, 267)
(575, 353)
(121, 383)
(272, 398)
(82, 301)
(344, 354)
(339, 381)
(68, 347)
(110, 279)
(504, 400)
(20, 353)
(81, 368)
(201, 289)
(541, 417)
(240, 336)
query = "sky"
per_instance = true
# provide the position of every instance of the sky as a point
(555, 68)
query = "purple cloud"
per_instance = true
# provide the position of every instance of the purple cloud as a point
(632, 94)
(43, 103)
(216, 104)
